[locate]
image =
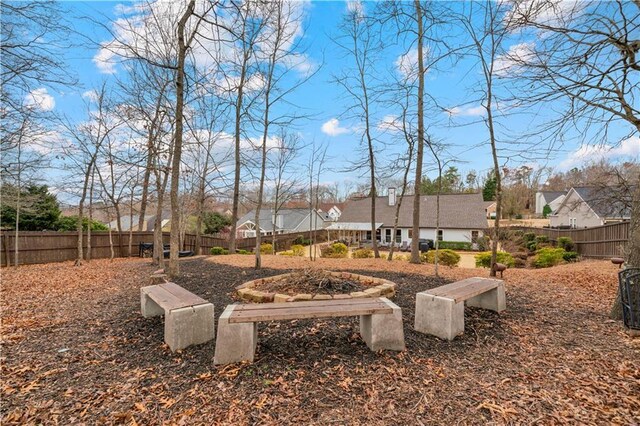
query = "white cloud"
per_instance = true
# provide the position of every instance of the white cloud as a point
(105, 60)
(591, 153)
(332, 128)
(390, 123)
(475, 111)
(509, 63)
(40, 99)
(355, 6)
(91, 95)
(556, 13)
(407, 63)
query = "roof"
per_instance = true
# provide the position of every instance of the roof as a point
(352, 226)
(457, 211)
(605, 202)
(549, 196)
(291, 218)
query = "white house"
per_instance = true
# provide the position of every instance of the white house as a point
(585, 207)
(462, 218)
(551, 198)
(286, 221)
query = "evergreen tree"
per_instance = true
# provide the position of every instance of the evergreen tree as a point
(489, 189)
(39, 209)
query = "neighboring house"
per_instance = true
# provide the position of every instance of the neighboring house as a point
(462, 218)
(286, 221)
(585, 207)
(552, 198)
(490, 209)
(331, 210)
(148, 225)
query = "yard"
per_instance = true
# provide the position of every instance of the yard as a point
(76, 349)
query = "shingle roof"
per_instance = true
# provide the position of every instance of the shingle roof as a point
(291, 218)
(605, 202)
(457, 211)
(549, 196)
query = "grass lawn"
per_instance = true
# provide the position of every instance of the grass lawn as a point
(76, 350)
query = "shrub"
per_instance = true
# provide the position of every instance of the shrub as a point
(546, 210)
(243, 252)
(454, 245)
(519, 263)
(548, 256)
(287, 253)
(217, 251)
(542, 239)
(529, 236)
(484, 259)
(570, 256)
(70, 223)
(363, 253)
(532, 246)
(300, 240)
(483, 243)
(566, 243)
(518, 216)
(445, 257)
(297, 250)
(266, 248)
(403, 257)
(335, 250)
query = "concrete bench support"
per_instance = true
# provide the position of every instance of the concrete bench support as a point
(383, 331)
(235, 342)
(493, 300)
(439, 316)
(188, 319)
(440, 311)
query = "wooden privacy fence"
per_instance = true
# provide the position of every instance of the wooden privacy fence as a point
(48, 247)
(598, 242)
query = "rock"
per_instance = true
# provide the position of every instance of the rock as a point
(301, 296)
(358, 294)
(341, 296)
(281, 298)
(373, 292)
(322, 297)
(268, 297)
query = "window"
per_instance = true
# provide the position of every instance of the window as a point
(368, 236)
(573, 222)
(378, 235)
(439, 234)
(387, 235)
(474, 236)
(410, 233)
(398, 235)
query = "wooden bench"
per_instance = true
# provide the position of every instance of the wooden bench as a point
(440, 311)
(380, 323)
(188, 319)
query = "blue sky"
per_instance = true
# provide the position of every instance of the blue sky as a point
(323, 100)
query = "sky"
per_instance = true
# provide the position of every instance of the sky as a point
(461, 129)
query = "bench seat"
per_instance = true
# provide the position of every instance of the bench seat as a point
(188, 318)
(440, 311)
(237, 337)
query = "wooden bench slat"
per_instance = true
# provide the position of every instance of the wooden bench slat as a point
(338, 302)
(320, 311)
(189, 298)
(465, 289)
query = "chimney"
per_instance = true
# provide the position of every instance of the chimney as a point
(392, 196)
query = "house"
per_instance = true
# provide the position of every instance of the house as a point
(490, 209)
(585, 207)
(332, 211)
(148, 224)
(286, 221)
(551, 198)
(462, 218)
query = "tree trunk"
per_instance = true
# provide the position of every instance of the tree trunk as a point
(88, 255)
(415, 244)
(174, 265)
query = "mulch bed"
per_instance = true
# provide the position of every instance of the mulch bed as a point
(311, 281)
(76, 349)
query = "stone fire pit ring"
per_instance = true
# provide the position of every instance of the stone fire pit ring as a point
(377, 287)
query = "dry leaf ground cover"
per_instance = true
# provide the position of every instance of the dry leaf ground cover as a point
(76, 350)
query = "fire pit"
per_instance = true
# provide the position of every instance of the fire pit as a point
(313, 284)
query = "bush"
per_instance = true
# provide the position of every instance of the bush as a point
(548, 256)
(519, 263)
(335, 250)
(454, 245)
(297, 250)
(484, 259)
(243, 252)
(300, 240)
(483, 243)
(217, 251)
(570, 256)
(529, 236)
(287, 253)
(363, 253)
(532, 246)
(266, 248)
(403, 257)
(445, 257)
(546, 210)
(542, 239)
(566, 243)
(70, 223)
(518, 216)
